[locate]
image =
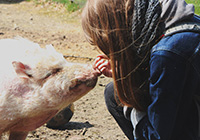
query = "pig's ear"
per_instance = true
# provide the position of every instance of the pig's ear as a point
(20, 69)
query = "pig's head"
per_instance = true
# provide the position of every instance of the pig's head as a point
(50, 75)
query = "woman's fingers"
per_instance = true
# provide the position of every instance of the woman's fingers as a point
(103, 65)
(100, 63)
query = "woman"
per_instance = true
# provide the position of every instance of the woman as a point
(152, 52)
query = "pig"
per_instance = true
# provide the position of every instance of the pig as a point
(35, 84)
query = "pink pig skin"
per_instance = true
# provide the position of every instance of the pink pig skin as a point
(35, 84)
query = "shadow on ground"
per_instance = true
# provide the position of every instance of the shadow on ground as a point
(10, 1)
(73, 126)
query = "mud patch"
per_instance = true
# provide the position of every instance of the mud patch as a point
(50, 24)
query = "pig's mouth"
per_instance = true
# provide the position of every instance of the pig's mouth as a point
(75, 83)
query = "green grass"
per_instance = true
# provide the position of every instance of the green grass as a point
(77, 4)
(196, 5)
(71, 5)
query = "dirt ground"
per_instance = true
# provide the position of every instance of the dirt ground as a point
(47, 23)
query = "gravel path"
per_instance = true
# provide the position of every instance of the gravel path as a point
(48, 23)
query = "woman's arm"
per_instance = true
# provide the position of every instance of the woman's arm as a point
(167, 80)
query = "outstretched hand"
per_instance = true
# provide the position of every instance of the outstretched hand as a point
(102, 63)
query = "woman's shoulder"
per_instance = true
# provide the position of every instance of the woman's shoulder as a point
(183, 44)
(181, 38)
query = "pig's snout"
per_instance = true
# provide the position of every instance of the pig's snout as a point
(97, 72)
(77, 82)
(89, 79)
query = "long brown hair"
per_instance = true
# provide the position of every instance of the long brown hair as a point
(108, 24)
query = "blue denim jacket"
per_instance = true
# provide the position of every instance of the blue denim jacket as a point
(174, 82)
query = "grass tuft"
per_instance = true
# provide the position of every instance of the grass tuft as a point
(196, 4)
(74, 5)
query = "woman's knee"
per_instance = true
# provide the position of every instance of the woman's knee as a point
(110, 99)
(109, 95)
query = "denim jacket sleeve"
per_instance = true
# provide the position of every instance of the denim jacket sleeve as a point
(168, 74)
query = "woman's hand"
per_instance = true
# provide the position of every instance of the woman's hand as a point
(102, 63)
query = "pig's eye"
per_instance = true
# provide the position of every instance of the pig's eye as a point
(48, 74)
(56, 71)
(53, 72)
